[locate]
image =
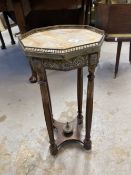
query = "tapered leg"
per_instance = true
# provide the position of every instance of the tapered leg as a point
(117, 57)
(80, 94)
(46, 105)
(2, 42)
(130, 53)
(9, 27)
(93, 60)
(50, 103)
(89, 110)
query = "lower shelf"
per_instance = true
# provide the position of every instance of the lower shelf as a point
(75, 135)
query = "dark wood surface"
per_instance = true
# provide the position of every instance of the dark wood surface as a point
(45, 13)
(3, 5)
(101, 20)
(56, 4)
(119, 18)
(116, 22)
(80, 94)
(116, 18)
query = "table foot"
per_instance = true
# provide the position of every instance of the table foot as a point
(3, 47)
(87, 144)
(53, 149)
(13, 42)
(115, 75)
(80, 118)
(33, 79)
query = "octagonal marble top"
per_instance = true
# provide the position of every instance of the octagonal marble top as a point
(62, 38)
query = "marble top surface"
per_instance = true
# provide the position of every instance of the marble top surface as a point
(61, 38)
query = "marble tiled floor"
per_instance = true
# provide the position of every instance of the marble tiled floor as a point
(23, 136)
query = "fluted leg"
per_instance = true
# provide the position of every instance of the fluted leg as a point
(80, 94)
(89, 101)
(89, 110)
(42, 79)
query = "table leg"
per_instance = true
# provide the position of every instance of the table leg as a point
(46, 105)
(80, 94)
(130, 53)
(8, 27)
(89, 103)
(2, 41)
(89, 110)
(49, 100)
(117, 58)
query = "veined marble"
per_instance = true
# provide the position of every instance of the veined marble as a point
(61, 38)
